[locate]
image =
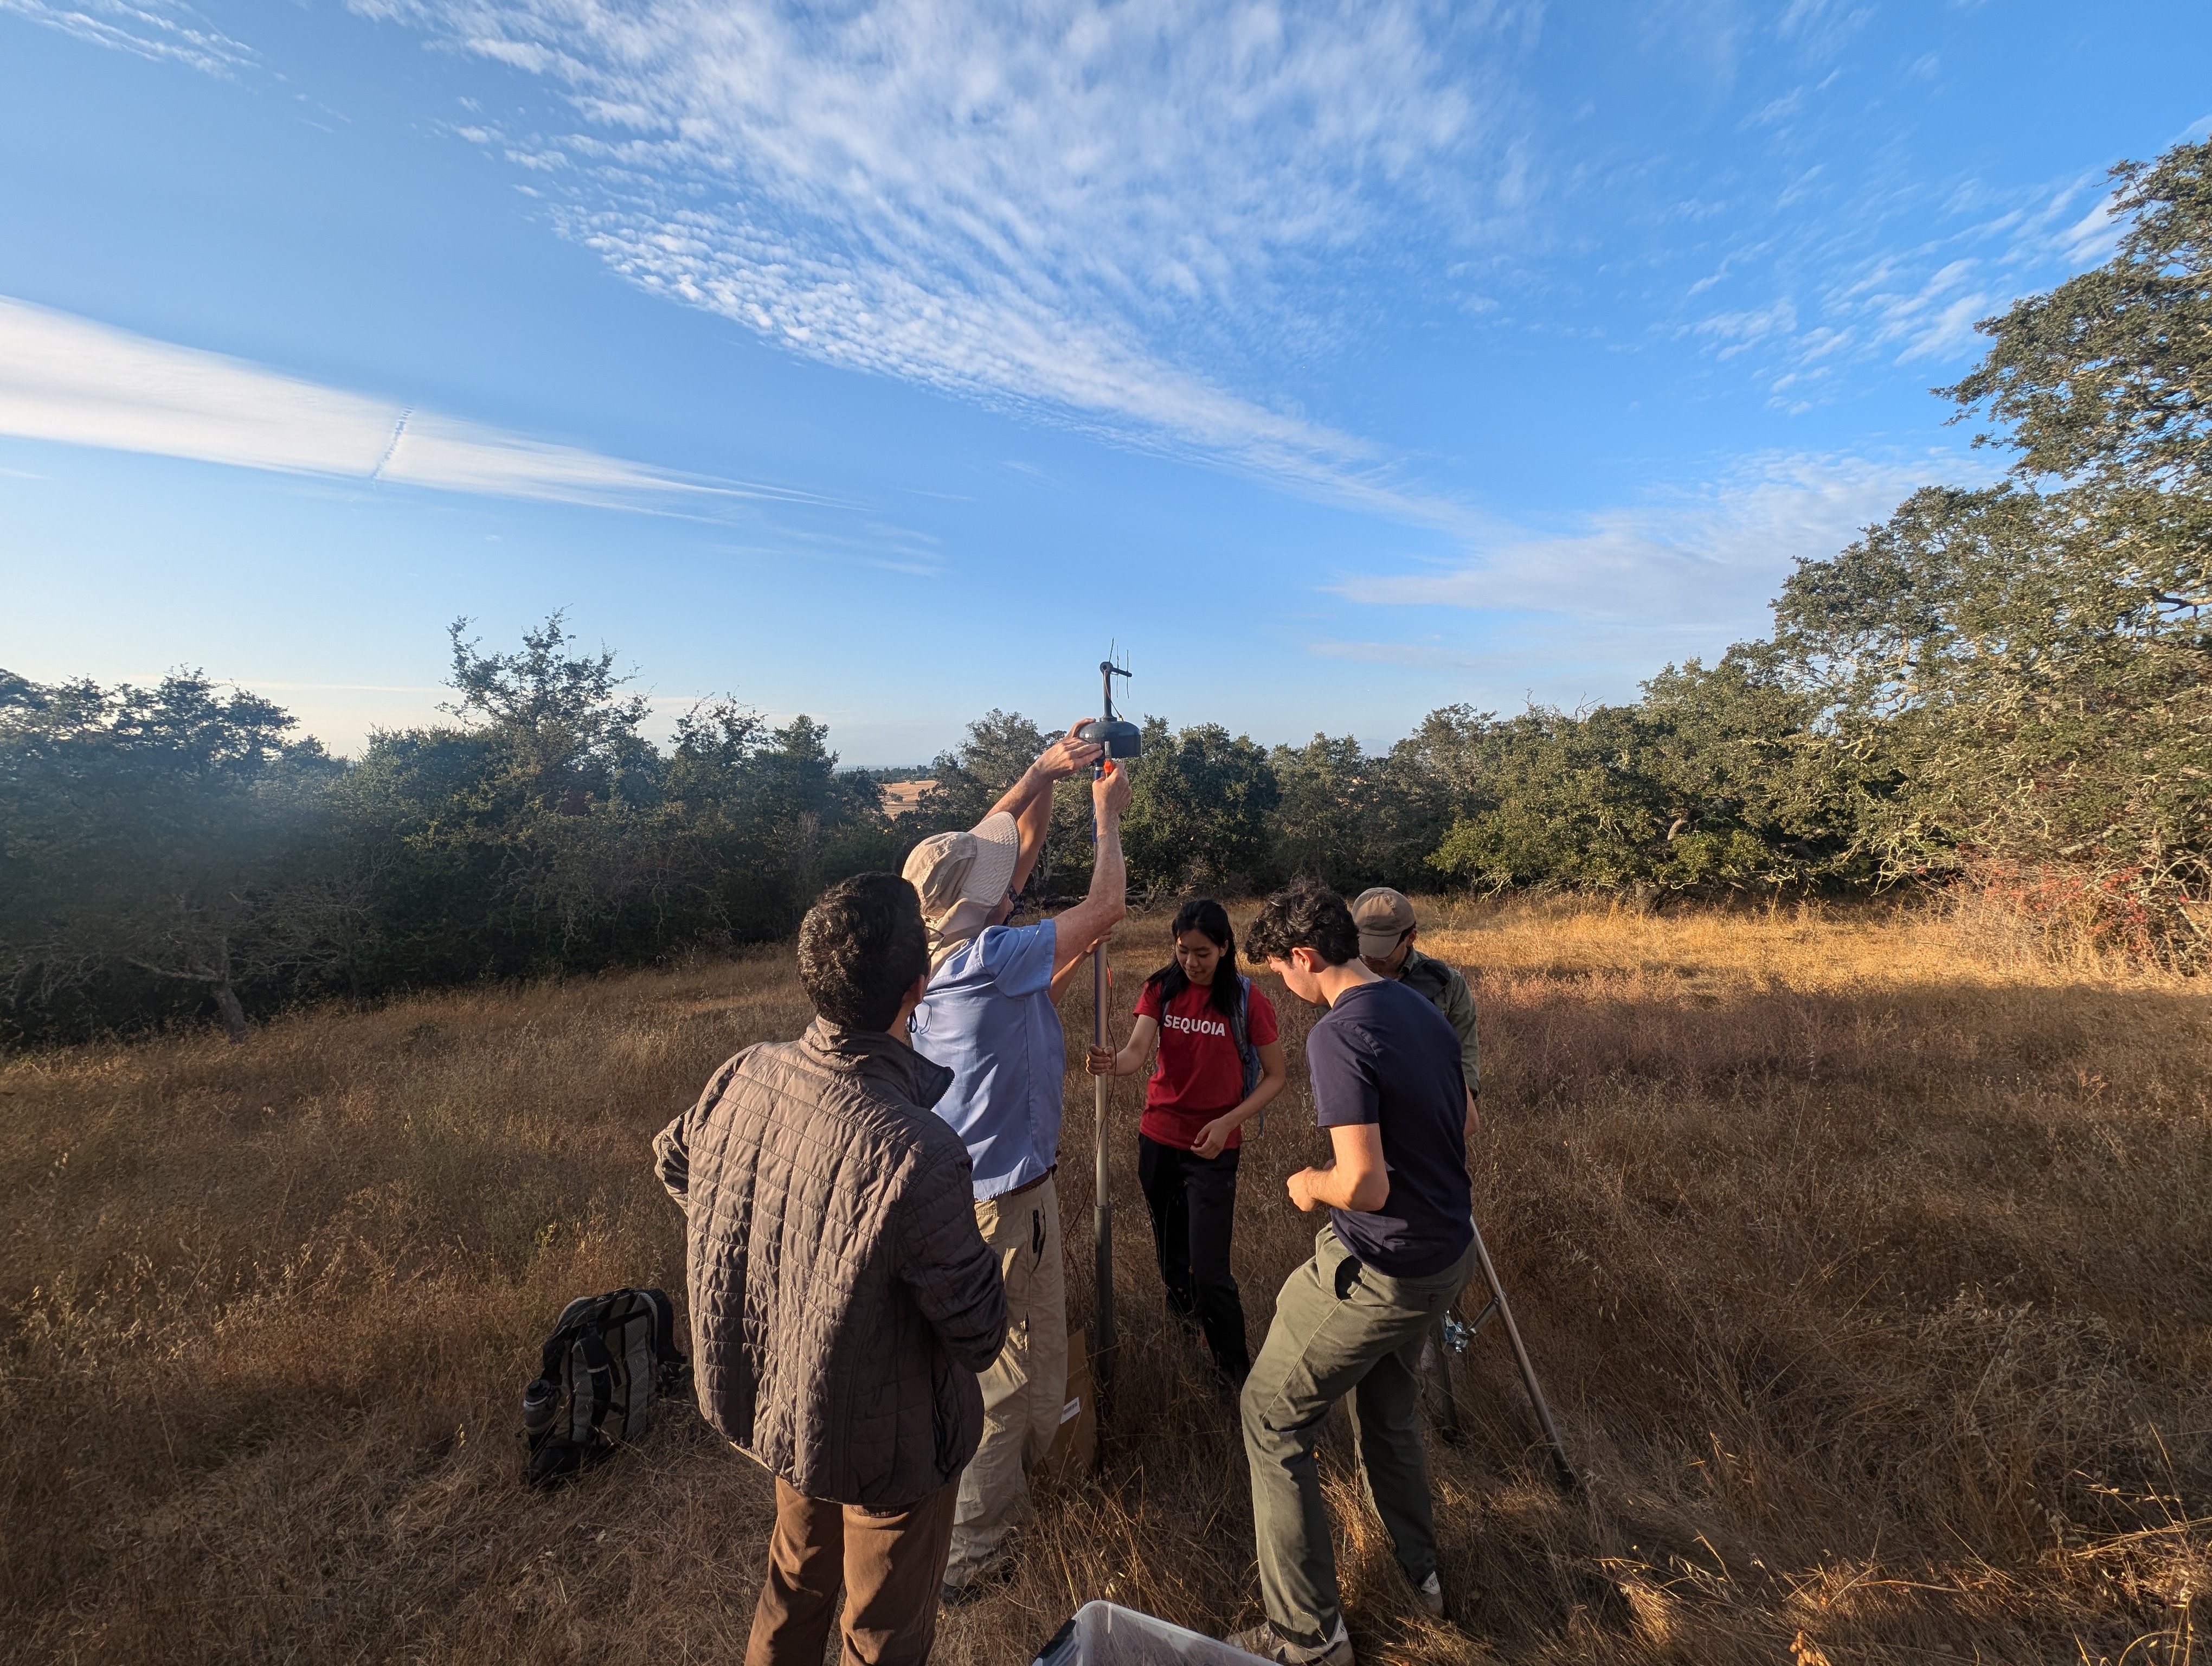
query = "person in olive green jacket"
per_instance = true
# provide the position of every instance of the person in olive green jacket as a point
(1387, 929)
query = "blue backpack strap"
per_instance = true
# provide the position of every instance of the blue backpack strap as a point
(1240, 1029)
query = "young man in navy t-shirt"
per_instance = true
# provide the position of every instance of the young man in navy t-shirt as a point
(1389, 1086)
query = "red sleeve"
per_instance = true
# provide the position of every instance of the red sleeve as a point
(1259, 1018)
(1148, 1001)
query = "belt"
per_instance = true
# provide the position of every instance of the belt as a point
(1028, 1185)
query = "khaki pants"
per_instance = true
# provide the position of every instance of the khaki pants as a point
(1339, 1328)
(1023, 1390)
(888, 1562)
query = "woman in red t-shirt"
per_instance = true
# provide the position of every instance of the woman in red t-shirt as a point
(1219, 1065)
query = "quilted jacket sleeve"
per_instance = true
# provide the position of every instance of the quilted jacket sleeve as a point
(671, 1158)
(672, 1147)
(942, 1259)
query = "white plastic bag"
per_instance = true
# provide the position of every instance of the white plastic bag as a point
(1106, 1634)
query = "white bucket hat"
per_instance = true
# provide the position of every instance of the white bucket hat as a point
(961, 877)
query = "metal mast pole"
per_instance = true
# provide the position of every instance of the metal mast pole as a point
(1114, 739)
(1102, 1202)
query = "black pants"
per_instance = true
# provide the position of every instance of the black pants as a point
(1193, 1201)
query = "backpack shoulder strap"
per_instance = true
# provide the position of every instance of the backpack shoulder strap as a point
(600, 1369)
(555, 1353)
(1248, 1056)
(1428, 977)
(663, 1326)
(585, 1312)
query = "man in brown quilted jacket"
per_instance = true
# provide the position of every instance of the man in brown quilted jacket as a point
(842, 1301)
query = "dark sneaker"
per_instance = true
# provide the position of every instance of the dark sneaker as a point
(990, 1579)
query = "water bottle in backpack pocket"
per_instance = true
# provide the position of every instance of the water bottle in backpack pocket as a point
(608, 1359)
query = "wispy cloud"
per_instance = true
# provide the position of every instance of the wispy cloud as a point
(1104, 214)
(1584, 611)
(165, 29)
(1822, 27)
(883, 545)
(1738, 332)
(1421, 656)
(1550, 661)
(71, 380)
(1869, 301)
(1704, 559)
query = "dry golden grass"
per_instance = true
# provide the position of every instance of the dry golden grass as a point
(1867, 1258)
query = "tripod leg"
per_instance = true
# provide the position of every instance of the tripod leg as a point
(1566, 1473)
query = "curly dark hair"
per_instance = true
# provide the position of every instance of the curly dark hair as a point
(1308, 916)
(860, 948)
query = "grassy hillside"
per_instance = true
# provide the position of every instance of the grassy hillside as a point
(1868, 1261)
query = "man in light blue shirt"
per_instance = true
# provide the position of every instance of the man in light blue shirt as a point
(990, 1019)
(990, 1016)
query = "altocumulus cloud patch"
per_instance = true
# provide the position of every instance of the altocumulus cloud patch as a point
(1101, 214)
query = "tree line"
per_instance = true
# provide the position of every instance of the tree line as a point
(2008, 687)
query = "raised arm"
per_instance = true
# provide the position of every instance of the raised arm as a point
(1063, 975)
(1081, 926)
(1029, 800)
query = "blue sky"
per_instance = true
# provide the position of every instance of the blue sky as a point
(884, 361)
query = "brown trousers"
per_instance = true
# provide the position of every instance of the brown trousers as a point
(889, 1563)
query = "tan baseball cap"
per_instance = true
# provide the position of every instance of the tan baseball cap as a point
(961, 877)
(1381, 917)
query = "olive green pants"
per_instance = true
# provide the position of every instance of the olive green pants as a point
(1339, 1328)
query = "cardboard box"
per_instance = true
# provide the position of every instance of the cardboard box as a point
(1075, 1444)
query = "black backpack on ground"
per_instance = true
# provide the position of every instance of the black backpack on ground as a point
(608, 1359)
